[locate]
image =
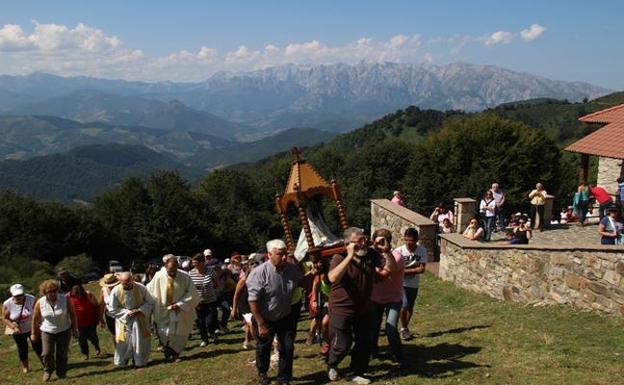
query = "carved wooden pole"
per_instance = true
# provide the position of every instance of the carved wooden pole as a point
(290, 243)
(303, 218)
(342, 217)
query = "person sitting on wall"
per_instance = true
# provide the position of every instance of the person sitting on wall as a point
(521, 233)
(474, 231)
(440, 214)
(447, 227)
(609, 228)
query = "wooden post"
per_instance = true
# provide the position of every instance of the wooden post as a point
(303, 218)
(584, 171)
(290, 242)
(342, 216)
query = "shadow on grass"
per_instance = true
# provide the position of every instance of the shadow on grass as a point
(457, 330)
(209, 353)
(88, 363)
(438, 361)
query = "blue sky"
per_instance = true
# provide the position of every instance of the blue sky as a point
(189, 40)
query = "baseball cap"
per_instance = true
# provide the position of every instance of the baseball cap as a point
(17, 289)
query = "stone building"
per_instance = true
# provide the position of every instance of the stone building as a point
(607, 143)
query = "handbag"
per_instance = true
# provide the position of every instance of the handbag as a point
(9, 331)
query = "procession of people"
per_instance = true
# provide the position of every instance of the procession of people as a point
(359, 288)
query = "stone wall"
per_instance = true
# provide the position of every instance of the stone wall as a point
(385, 214)
(583, 277)
(608, 172)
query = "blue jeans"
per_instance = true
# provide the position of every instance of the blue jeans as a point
(581, 210)
(392, 311)
(487, 227)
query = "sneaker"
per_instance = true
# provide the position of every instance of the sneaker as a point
(263, 379)
(332, 374)
(405, 333)
(360, 380)
(245, 345)
(203, 344)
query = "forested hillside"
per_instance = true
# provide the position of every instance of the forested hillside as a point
(429, 155)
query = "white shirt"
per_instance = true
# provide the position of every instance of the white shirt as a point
(491, 204)
(22, 312)
(498, 196)
(55, 319)
(419, 256)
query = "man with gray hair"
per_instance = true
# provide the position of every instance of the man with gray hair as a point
(131, 305)
(270, 288)
(176, 298)
(350, 303)
(499, 198)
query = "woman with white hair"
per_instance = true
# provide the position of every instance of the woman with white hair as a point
(17, 315)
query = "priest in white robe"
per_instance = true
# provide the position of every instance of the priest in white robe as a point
(174, 314)
(131, 305)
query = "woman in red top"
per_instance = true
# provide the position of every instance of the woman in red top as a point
(88, 313)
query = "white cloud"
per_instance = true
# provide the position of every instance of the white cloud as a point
(498, 37)
(89, 51)
(206, 53)
(533, 32)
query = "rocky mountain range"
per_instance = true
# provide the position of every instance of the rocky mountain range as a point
(250, 105)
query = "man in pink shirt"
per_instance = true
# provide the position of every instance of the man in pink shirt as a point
(387, 298)
(603, 198)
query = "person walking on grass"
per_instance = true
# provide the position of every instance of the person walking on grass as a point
(131, 306)
(88, 314)
(352, 276)
(17, 316)
(54, 322)
(270, 290)
(205, 281)
(387, 297)
(415, 258)
(175, 300)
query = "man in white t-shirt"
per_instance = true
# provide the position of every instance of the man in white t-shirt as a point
(499, 197)
(415, 257)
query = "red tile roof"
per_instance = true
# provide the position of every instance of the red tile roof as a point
(608, 141)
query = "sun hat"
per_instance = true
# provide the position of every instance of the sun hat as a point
(109, 280)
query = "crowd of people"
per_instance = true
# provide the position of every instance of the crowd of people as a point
(493, 215)
(347, 296)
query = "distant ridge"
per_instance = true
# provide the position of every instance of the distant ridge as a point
(336, 97)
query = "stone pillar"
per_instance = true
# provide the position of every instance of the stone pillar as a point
(465, 209)
(548, 207)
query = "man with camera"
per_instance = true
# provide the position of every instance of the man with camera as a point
(350, 304)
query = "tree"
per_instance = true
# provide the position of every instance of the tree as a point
(470, 153)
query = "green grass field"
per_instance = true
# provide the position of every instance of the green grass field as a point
(464, 338)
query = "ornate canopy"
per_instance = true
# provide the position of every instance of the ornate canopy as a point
(304, 184)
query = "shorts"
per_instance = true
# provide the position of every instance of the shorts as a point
(409, 297)
(247, 317)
